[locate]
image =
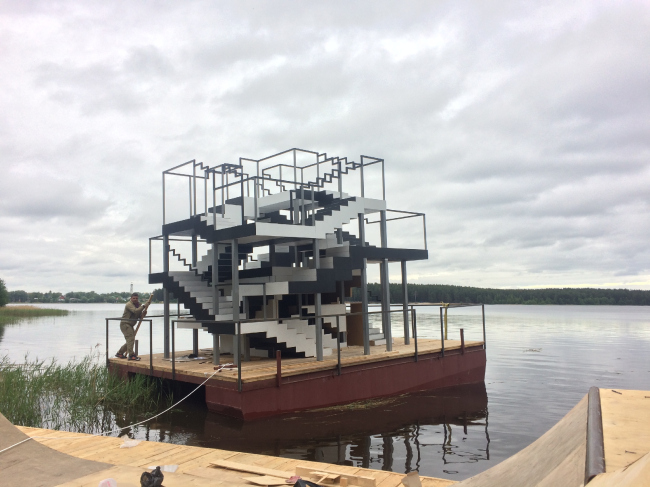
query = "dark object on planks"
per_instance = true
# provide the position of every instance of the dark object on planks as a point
(153, 479)
(305, 483)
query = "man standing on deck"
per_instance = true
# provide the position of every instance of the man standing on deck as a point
(133, 311)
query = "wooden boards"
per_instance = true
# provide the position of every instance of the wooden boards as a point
(626, 426)
(197, 461)
(259, 369)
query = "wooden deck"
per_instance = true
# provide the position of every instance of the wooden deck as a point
(259, 369)
(194, 463)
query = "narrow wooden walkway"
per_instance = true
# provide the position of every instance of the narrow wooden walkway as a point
(194, 462)
(258, 369)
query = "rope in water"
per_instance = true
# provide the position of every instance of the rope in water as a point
(221, 367)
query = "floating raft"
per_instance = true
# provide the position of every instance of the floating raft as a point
(270, 388)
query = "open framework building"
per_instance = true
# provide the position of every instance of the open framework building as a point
(270, 249)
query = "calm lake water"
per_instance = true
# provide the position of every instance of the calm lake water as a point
(541, 362)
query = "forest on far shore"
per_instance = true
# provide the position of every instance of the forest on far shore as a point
(436, 293)
(422, 293)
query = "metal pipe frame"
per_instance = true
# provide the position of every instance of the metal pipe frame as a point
(405, 303)
(317, 306)
(442, 334)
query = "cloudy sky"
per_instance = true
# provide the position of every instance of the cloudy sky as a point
(522, 129)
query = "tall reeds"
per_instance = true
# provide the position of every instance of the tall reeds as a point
(12, 314)
(80, 396)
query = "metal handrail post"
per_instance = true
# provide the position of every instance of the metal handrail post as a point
(415, 333)
(442, 333)
(194, 184)
(189, 180)
(151, 347)
(424, 226)
(173, 351)
(338, 345)
(241, 189)
(383, 181)
(483, 314)
(361, 178)
(163, 196)
(206, 175)
(237, 350)
(107, 342)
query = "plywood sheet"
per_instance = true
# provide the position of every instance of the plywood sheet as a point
(626, 426)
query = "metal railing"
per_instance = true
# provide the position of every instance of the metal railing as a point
(237, 335)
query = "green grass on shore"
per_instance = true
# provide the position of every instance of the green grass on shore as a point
(79, 396)
(13, 314)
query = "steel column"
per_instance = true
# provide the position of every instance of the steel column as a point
(405, 304)
(235, 297)
(166, 326)
(317, 305)
(364, 289)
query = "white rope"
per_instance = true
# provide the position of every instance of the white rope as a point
(221, 367)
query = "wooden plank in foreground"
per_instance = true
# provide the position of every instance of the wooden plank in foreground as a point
(194, 462)
(626, 426)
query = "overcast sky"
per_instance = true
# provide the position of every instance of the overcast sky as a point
(521, 129)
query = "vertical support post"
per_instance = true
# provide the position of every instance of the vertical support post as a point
(166, 297)
(340, 179)
(361, 177)
(163, 202)
(462, 341)
(405, 304)
(442, 333)
(385, 285)
(215, 278)
(173, 352)
(241, 190)
(195, 332)
(383, 181)
(338, 346)
(264, 300)
(206, 176)
(415, 333)
(483, 314)
(237, 350)
(107, 342)
(255, 196)
(216, 353)
(317, 306)
(278, 368)
(446, 334)
(424, 227)
(151, 347)
(364, 289)
(194, 183)
(189, 180)
(235, 298)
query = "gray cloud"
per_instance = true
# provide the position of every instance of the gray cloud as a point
(521, 130)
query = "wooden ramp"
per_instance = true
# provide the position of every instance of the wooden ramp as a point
(559, 456)
(195, 465)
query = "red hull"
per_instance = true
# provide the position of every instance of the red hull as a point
(360, 382)
(325, 388)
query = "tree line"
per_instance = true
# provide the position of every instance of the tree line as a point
(436, 293)
(75, 296)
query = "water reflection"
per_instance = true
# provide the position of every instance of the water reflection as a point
(445, 427)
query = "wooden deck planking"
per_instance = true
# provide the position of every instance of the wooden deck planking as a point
(264, 369)
(626, 426)
(190, 460)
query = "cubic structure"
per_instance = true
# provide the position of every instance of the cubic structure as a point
(274, 248)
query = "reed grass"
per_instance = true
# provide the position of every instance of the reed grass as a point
(12, 314)
(79, 396)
